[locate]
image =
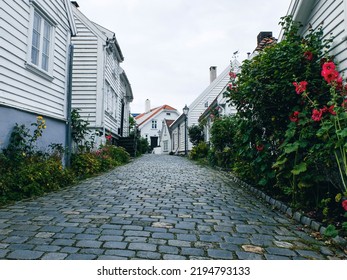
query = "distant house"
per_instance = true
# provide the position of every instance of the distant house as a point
(101, 89)
(165, 137)
(332, 16)
(197, 108)
(34, 66)
(219, 106)
(150, 122)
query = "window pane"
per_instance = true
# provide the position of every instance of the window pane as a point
(36, 39)
(34, 56)
(45, 62)
(47, 31)
(45, 45)
(41, 42)
(37, 22)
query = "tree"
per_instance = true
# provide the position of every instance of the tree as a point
(196, 134)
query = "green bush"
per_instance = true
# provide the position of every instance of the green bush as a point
(36, 175)
(85, 164)
(199, 151)
(26, 171)
(196, 134)
(289, 134)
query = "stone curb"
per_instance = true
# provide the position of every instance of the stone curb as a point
(299, 217)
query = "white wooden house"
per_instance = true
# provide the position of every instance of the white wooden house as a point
(332, 15)
(101, 90)
(150, 122)
(165, 137)
(34, 58)
(197, 108)
(219, 106)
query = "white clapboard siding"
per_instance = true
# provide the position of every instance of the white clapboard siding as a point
(96, 70)
(332, 16)
(208, 95)
(21, 88)
(85, 67)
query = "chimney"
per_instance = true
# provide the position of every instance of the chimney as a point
(213, 73)
(147, 106)
(75, 4)
(262, 35)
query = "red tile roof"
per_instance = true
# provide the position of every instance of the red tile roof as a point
(169, 122)
(155, 111)
(267, 41)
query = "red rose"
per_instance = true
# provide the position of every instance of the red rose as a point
(317, 115)
(259, 147)
(294, 117)
(232, 75)
(329, 66)
(331, 110)
(344, 204)
(300, 87)
(308, 55)
(330, 76)
(344, 104)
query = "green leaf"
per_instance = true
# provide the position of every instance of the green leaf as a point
(299, 168)
(278, 163)
(331, 231)
(290, 148)
(342, 133)
(262, 182)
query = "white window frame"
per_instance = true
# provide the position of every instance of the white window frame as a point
(114, 103)
(111, 101)
(166, 145)
(154, 124)
(45, 20)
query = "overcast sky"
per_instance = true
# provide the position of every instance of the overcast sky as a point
(169, 45)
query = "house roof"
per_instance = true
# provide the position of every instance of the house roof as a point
(129, 92)
(169, 122)
(101, 32)
(144, 117)
(300, 10)
(111, 39)
(69, 13)
(235, 63)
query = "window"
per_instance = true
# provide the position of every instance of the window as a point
(166, 145)
(110, 100)
(206, 104)
(154, 124)
(41, 41)
(168, 114)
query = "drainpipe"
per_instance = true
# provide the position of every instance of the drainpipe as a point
(68, 137)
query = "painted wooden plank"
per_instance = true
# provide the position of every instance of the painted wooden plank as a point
(19, 83)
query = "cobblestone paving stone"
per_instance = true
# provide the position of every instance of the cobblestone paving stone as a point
(156, 207)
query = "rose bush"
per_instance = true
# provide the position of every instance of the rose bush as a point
(290, 132)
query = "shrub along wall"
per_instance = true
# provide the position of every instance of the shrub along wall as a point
(26, 171)
(290, 133)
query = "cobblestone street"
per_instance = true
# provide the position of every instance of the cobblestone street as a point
(156, 207)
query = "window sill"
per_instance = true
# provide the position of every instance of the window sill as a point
(34, 69)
